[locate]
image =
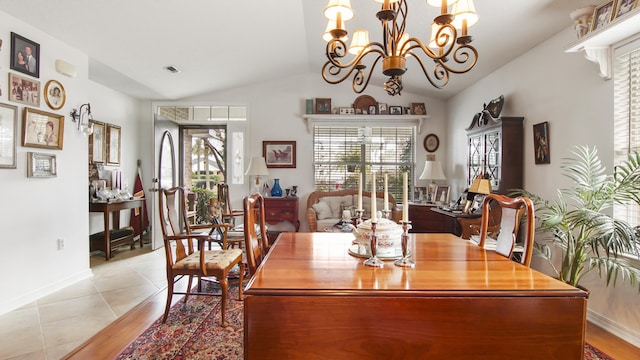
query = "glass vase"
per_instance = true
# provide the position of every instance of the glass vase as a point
(276, 190)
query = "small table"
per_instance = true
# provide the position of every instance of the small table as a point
(114, 207)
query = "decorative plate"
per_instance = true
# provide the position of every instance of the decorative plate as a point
(431, 142)
(363, 102)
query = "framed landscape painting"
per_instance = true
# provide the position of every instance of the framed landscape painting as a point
(279, 154)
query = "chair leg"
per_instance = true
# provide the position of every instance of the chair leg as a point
(169, 297)
(224, 288)
(240, 283)
(189, 282)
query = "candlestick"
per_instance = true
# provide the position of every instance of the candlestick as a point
(405, 198)
(373, 245)
(373, 197)
(359, 192)
(405, 261)
(386, 193)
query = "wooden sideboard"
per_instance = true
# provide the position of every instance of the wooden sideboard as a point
(279, 210)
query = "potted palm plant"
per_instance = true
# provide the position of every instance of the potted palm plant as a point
(578, 224)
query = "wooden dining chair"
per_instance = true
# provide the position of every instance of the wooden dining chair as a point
(255, 231)
(512, 210)
(225, 238)
(185, 259)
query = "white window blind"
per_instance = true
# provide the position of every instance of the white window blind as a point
(627, 119)
(341, 153)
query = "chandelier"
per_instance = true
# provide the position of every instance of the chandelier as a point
(449, 50)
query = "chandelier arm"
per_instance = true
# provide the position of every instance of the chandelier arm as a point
(464, 54)
(440, 73)
(333, 67)
(360, 81)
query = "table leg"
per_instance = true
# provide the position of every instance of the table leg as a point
(107, 235)
(141, 224)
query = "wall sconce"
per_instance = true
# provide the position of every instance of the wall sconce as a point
(76, 116)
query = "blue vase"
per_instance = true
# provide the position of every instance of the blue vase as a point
(276, 191)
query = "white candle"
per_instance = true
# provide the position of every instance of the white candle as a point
(359, 192)
(386, 193)
(373, 197)
(405, 198)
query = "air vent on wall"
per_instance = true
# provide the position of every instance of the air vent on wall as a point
(172, 69)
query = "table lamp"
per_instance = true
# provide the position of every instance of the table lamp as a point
(480, 185)
(257, 168)
(432, 171)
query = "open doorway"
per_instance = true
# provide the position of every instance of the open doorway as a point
(203, 154)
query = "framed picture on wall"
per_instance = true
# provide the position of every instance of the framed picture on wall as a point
(541, 143)
(9, 135)
(113, 144)
(54, 94)
(24, 90)
(97, 143)
(279, 154)
(41, 165)
(41, 129)
(25, 55)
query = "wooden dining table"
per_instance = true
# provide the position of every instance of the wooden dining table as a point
(312, 299)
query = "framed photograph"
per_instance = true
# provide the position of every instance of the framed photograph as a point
(41, 165)
(602, 15)
(279, 154)
(419, 194)
(25, 55)
(418, 109)
(541, 143)
(395, 110)
(24, 90)
(382, 109)
(41, 129)
(372, 109)
(113, 144)
(54, 94)
(623, 7)
(323, 106)
(347, 111)
(8, 135)
(97, 142)
(431, 143)
(442, 194)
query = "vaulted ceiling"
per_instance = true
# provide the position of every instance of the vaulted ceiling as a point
(220, 44)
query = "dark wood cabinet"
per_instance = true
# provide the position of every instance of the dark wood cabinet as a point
(496, 150)
(425, 220)
(281, 214)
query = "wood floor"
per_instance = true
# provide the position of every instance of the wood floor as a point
(108, 343)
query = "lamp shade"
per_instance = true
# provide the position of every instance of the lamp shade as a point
(432, 171)
(438, 3)
(480, 186)
(327, 32)
(257, 167)
(464, 10)
(335, 7)
(360, 41)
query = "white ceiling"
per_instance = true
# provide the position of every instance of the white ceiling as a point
(220, 44)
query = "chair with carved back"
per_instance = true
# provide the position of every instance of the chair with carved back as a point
(255, 231)
(186, 254)
(228, 215)
(512, 210)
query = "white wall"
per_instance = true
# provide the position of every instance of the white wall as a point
(36, 212)
(547, 84)
(275, 113)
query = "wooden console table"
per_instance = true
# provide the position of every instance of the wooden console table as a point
(114, 208)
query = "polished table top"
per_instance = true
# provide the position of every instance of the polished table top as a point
(445, 265)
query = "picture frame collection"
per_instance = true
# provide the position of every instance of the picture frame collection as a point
(363, 105)
(43, 129)
(610, 11)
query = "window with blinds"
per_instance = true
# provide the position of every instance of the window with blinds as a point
(627, 118)
(340, 154)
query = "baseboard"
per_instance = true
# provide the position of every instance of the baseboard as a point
(616, 329)
(36, 294)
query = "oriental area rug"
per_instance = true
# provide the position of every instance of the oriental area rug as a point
(193, 331)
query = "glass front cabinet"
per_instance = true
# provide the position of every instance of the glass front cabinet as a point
(496, 151)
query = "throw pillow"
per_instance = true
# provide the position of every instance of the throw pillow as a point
(322, 210)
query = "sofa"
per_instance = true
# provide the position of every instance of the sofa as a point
(324, 208)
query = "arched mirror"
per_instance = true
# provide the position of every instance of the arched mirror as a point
(167, 168)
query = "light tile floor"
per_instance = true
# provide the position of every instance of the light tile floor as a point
(52, 326)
